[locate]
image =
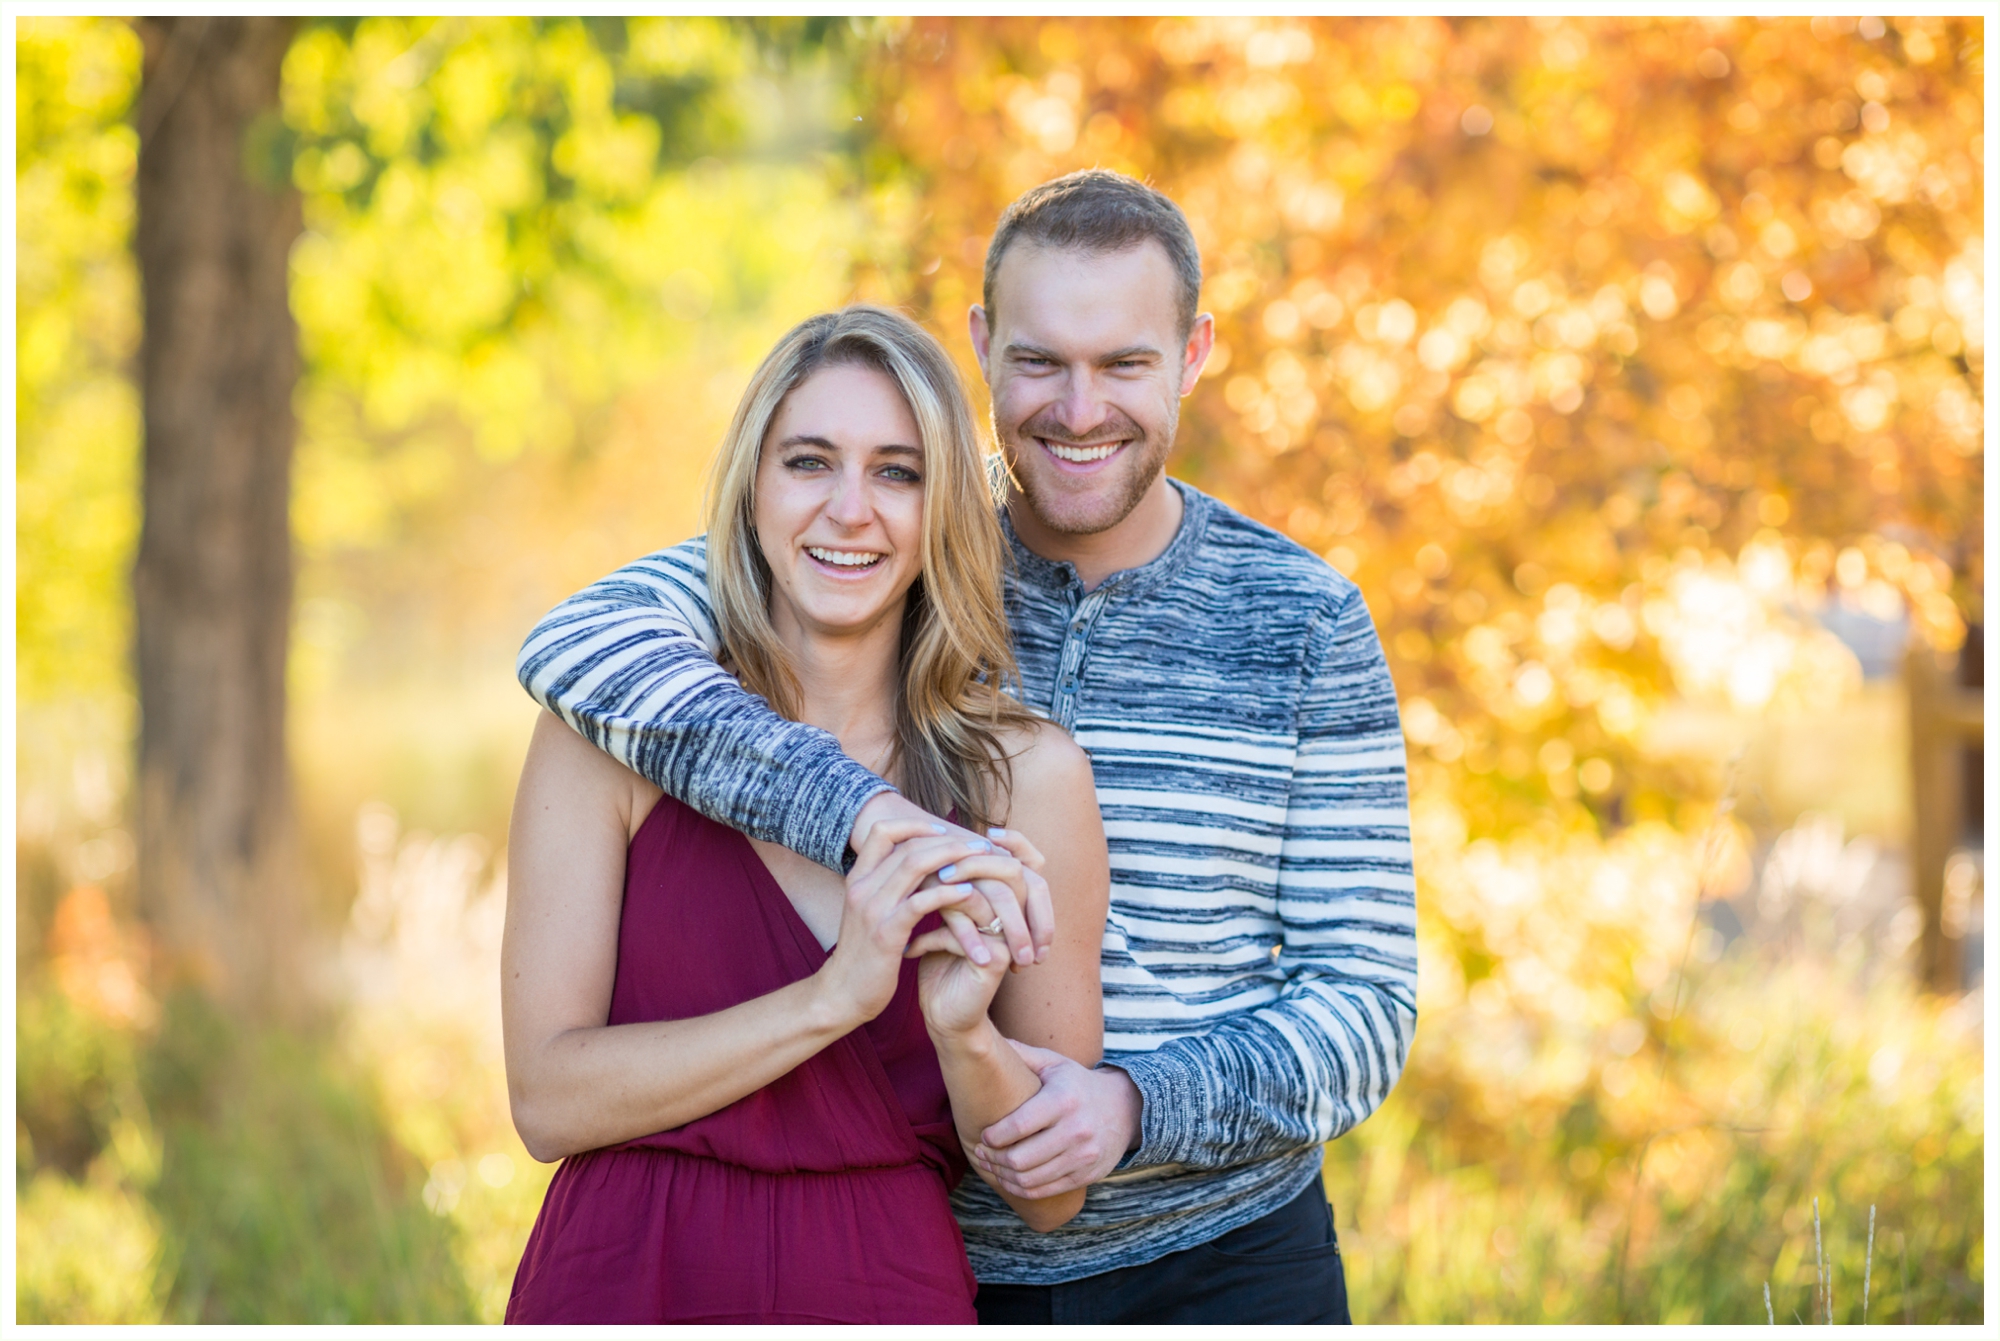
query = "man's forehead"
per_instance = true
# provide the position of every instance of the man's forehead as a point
(1078, 291)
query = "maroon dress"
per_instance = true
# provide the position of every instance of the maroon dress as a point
(820, 1198)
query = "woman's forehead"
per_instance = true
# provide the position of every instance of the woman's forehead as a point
(848, 406)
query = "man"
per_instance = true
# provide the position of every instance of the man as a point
(1260, 959)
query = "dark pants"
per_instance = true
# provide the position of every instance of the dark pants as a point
(1282, 1268)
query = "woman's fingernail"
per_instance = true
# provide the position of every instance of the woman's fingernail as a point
(939, 828)
(982, 955)
(1027, 956)
(995, 833)
(949, 873)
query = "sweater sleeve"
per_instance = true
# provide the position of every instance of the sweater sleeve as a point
(630, 663)
(1319, 1059)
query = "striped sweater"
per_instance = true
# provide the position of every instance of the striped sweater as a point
(1259, 955)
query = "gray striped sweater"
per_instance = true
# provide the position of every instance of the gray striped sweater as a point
(1260, 953)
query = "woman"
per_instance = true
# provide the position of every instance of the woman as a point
(761, 1094)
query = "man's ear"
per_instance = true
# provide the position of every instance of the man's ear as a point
(982, 339)
(1200, 344)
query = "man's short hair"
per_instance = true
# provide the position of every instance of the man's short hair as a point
(1099, 211)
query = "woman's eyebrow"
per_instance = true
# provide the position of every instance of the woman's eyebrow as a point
(826, 445)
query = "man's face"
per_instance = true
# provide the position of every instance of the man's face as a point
(1087, 367)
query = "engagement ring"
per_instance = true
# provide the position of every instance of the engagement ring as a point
(990, 929)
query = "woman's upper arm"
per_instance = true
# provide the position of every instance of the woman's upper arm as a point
(565, 887)
(1059, 1003)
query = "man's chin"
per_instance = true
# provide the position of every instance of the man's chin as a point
(1083, 511)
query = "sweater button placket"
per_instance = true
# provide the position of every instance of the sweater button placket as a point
(1074, 645)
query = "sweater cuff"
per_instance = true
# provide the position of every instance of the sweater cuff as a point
(1171, 1100)
(818, 821)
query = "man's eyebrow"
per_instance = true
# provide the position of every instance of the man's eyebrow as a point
(1018, 349)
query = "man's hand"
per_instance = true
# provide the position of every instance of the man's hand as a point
(1027, 918)
(1072, 1133)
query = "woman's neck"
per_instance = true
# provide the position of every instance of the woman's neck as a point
(847, 684)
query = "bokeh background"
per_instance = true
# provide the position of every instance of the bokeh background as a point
(1635, 370)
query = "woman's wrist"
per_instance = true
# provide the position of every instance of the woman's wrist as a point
(830, 1011)
(977, 1042)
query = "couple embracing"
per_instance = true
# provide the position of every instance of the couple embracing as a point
(942, 894)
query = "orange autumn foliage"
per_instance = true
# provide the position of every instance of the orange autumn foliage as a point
(1517, 318)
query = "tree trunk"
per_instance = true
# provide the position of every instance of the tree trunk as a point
(1947, 735)
(218, 869)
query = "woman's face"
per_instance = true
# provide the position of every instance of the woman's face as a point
(840, 503)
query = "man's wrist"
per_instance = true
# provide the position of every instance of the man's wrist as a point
(1133, 1112)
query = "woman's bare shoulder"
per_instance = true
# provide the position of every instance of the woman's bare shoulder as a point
(1048, 767)
(565, 770)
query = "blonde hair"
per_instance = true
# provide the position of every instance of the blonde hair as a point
(955, 657)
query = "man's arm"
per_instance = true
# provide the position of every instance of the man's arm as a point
(1323, 1056)
(629, 662)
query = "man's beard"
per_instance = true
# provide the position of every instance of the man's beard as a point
(1090, 511)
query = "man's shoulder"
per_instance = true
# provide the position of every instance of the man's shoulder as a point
(1260, 561)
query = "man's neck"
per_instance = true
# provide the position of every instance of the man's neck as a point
(1141, 537)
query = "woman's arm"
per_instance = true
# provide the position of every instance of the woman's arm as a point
(575, 1083)
(1053, 824)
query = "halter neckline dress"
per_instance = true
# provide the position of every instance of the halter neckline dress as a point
(820, 1198)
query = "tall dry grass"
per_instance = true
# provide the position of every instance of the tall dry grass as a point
(1590, 1129)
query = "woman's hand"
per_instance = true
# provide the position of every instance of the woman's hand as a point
(953, 991)
(1006, 879)
(884, 904)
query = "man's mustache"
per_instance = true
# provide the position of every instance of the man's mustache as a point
(1111, 430)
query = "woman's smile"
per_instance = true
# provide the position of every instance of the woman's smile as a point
(846, 560)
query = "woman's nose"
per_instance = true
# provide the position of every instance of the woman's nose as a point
(850, 505)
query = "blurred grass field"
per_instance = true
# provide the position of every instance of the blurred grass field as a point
(171, 1170)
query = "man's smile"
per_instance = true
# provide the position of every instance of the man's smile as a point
(1081, 454)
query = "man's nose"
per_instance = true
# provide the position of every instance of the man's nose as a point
(1081, 409)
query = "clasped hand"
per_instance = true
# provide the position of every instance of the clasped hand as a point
(887, 896)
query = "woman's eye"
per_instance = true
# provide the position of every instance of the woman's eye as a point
(805, 463)
(902, 475)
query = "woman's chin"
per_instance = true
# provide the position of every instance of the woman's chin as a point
(846, 619)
